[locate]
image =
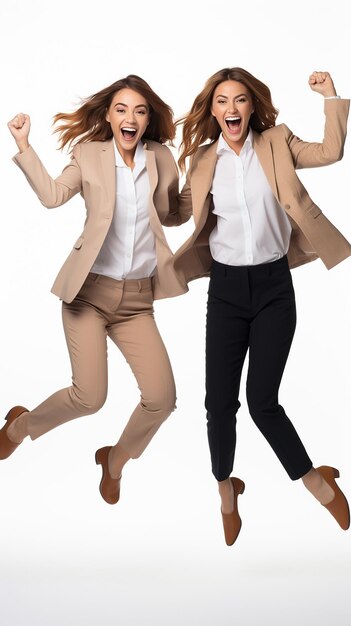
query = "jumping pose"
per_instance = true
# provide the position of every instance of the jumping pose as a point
(253, 221)
(118, 265)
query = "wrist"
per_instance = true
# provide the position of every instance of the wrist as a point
(22, 145)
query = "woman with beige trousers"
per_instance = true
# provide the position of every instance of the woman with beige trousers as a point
(119, 264)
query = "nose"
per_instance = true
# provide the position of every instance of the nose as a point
(130, 117)
(232, 108)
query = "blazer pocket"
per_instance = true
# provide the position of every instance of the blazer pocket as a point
(78, 243)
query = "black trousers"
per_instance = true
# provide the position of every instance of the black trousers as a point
(250, 308)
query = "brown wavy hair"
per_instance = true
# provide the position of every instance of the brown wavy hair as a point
(88, 123)
(199, 125)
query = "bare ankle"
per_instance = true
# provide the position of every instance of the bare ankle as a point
(17, 431)
(319, 488)
(224, 485)
(226, 493)
(117, 459)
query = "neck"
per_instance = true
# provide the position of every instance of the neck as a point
(236, 145)
(127, 156)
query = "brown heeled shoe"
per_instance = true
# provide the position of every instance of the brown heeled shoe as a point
(232, 521)
(109, 487)
(338, 507)
(6, 445)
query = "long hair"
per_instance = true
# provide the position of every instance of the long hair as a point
(199, 125)
(88, 123)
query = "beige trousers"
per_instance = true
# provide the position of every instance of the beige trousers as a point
(123, 311)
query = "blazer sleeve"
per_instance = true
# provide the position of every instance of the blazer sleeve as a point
(185, 199)
(185, 202)
(306, 154)
(179, 212)
(51, 192)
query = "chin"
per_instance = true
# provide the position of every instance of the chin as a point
(232, 139)
(129, 146)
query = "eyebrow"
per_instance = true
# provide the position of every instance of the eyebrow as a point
(126, 105)
(238, 96)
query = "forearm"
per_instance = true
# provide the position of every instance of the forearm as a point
(330, 150)
(51, 193)
(180, 206)
(185, 204)
(181, 215)
(22, 145)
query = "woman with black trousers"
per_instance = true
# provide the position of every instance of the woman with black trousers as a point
(253, 221)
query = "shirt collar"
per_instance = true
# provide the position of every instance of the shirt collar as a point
(139, 158)
(222, 145)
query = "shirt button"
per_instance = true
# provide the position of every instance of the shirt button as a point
(287, 206)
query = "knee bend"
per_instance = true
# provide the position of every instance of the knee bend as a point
(221, 411)
(255, 408)
(261, 412)
(88, 403)
(162, 405)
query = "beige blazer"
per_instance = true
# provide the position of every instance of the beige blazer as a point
(280, 154)
(91, 173)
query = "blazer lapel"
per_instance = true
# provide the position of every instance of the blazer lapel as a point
(201, 182)
(156, 216)
(151, 169)
(108, 165)
(264, 151)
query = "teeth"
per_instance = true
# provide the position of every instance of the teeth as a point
(132, 130)
(233, 118)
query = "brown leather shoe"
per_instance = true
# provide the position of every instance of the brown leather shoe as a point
(338, 507)
(6, 445)
(232, 521)
(109, 487)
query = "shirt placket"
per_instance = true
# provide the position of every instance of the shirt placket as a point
(244, 211)
(130, 222)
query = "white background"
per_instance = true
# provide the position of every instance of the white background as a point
(158, 557)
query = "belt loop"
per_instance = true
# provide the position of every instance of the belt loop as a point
(140, 286)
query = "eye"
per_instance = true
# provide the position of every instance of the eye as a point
(242, 99)
(141, 112)
(120, 110)
(221, 101)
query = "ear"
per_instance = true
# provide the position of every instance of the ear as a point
(107, 116)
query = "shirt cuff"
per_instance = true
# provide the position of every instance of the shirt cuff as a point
(332, 97)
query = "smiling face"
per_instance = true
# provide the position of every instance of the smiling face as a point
(129, 116)
(232, 107)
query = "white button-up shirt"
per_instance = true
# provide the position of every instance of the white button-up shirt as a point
(252, 228)
(129, 248)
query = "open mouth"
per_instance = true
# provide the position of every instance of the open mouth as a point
(233, 122)
(128, 133)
